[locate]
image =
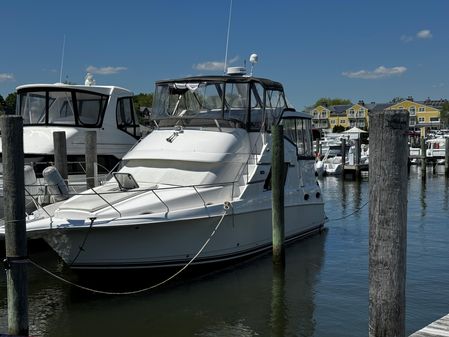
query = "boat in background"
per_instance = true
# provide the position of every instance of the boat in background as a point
(74, 109)
(204, 170)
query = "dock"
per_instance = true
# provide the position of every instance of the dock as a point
(354, 171)
(438, 328)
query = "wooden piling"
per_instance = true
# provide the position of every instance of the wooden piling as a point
(388, 223)
(423, 158)
(277, 186)
(60, 145)
(15, 228)
(446, 157)
(358, 150)
(91, 159)
(278, 306)
(343, 157)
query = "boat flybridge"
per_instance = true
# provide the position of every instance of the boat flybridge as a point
(47, 108)
(74, 109)
(205, 169)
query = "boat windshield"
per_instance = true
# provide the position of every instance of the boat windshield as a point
(61, 107)
(298, 131)
(247, 104)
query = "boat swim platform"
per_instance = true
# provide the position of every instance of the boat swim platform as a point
(438, 328)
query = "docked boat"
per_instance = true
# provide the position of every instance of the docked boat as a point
(204, 171)
(74, 109)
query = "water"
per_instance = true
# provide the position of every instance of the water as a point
(324, 291)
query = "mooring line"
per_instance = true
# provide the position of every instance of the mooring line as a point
(97, 291)
(348, 215)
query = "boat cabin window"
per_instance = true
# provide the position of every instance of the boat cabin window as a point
(90, 108)
(32, 107)
(275, 104)
(298, 132)
(61, 107)
(125, 116)
(187, 99)
(246, 103)
(236, 101)
(257, 104)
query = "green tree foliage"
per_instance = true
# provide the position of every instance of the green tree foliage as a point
(444, 114)
(331, 101)
(397, 100)
(142, 100)
(338, 129)
(10, 103)
(2, 105)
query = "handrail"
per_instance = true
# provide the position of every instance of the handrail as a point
(115, 209)
(168, 209)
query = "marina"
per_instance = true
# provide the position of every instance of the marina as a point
(325, 288)
(303, 195)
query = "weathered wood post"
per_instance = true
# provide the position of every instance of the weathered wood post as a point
(15, 228)
(423, 158)
(358, 155)
(91, 159)
(446, 157)
(278, 306)
(388, 223)
(343, 156)
(60, 145)
(277, 190)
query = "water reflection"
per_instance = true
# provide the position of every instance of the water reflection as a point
(323, 291)
(246, 300)
(46, 296)
(278, 305)
(422, 198)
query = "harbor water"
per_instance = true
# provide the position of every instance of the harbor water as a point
(323, 292)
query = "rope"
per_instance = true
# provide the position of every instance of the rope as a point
(347, 216)
(81, 248)
(226, 207)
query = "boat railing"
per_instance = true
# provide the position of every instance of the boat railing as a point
(158, 192)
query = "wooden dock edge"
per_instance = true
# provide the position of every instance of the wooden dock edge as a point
(438, 328)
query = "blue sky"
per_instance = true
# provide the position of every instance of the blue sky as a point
(356, 49)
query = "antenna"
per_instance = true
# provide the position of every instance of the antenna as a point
(227, 38)
(62, 60)
(253, 59)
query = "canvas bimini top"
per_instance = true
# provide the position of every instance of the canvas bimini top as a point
(246, 101)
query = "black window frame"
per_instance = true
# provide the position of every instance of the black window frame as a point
(123, 127)
(72, 91)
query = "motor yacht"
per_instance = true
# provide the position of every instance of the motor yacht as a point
(74, 109)
(204, 170)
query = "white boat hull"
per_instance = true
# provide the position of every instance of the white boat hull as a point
(156, 242)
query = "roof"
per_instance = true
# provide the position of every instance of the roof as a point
(101, 89)
(339, 109)
(268, 84)
(381, 106)
(437, 104)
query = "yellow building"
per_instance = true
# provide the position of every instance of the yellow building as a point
(347, 116)
(422, 116)
(320, 117)
(357, 115)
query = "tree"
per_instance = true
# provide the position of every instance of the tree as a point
(2, 105)
(397, 100)
(142, 100)
(10, 103)
(338, 128)
(327, 101)
(444, 114)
